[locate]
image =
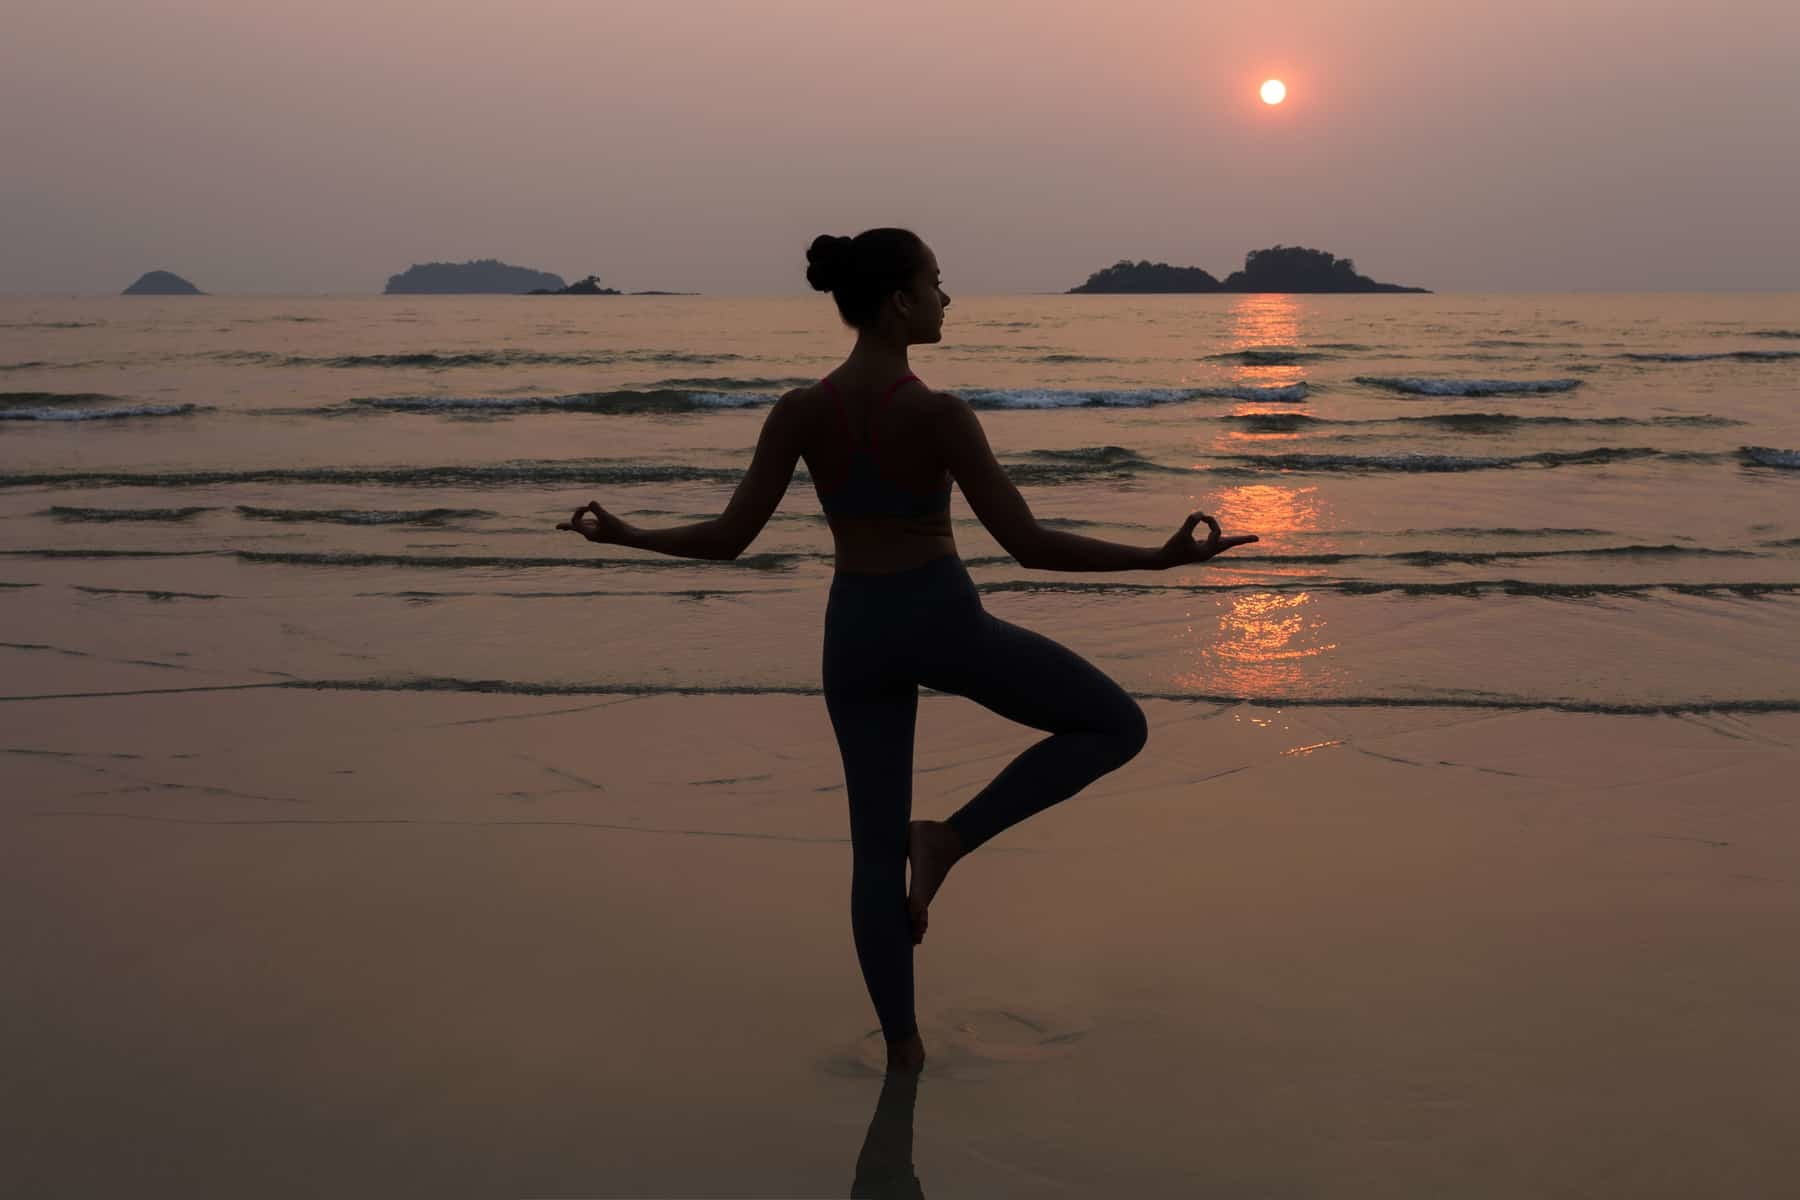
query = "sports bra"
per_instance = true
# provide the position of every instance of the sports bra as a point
(864, 491)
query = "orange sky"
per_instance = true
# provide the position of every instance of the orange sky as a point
(699, 144)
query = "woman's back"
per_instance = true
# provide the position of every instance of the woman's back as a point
(878, 467)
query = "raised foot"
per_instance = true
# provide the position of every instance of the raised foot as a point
(932, 849)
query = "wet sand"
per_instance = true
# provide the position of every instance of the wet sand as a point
(287, 943)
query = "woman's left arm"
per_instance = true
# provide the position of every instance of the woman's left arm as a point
(727, 535)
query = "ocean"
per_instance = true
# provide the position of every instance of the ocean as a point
(1580, 502)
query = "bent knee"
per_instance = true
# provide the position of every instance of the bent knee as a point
(1130, 731)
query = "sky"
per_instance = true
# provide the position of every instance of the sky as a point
(264, 146)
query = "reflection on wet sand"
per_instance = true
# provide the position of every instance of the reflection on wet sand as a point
(1266, 643)
(884, 1169)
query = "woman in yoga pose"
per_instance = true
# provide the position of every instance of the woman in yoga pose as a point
(882, 449)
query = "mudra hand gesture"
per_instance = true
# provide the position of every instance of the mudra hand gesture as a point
(1182, 548)
(594, 523)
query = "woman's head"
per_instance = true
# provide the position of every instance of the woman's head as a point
(878, 277)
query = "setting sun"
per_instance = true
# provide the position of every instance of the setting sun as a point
(1274, 91)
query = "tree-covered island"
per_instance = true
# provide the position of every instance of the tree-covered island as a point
(485, 276)
(1276, 269)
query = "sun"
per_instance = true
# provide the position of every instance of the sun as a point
(1273, 91)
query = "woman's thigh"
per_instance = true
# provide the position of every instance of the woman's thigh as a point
(1029, 678)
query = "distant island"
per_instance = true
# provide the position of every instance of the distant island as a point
(485, 276)
(490, 276)
(161, 283)
(1277, 269)
(589, 286)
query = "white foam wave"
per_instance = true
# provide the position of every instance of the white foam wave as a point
(728, 399)
(97, 414)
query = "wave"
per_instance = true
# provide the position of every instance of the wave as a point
(1270, 356)
(100, 414)
(1017, 398)
(80, 552)
(674, 400)
(1791, 334)
(1280, 422)
(774, 561)
(1462, 422)
(61, 512)
(522, 687)
(50, 324)
(675, 594)
(1740, 355)
(1468, 387)
(1435, 558)
(1251, 560)
(1376, 587)
(596, 474)
(1073, 358)
(434, 360)
(656, 401)
(52, 399)
(38, 364)
(353, 516)
(726, 383)
(1505, 531)
(1082, 463)
(147, 593)
(1432, 463)
(1501, 422)
(1769, 456)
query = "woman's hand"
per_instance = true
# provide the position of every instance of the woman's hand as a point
(1183, 549)
(595, 524)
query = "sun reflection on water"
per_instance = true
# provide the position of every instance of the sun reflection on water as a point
(1264, 643)
(1263, 323)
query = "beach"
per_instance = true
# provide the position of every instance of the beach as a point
(473, 945)
(363, 835)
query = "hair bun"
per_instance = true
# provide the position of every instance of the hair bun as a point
(826, 260)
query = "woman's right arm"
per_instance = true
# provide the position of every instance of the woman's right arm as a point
(1000, 507)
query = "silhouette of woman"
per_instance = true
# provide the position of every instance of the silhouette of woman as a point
(882, 449)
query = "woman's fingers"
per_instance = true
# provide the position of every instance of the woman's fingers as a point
(1212, 524)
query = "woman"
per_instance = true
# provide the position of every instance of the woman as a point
(882, 449)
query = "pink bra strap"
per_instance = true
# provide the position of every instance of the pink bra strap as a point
(844, 413)
(886, 396)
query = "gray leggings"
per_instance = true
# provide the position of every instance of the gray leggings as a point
(885, 636)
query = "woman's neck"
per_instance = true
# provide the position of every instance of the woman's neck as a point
(877, 357)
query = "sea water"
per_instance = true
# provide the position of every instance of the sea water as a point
(1585, 502)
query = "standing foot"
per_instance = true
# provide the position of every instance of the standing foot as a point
(932, 849)
(907, 1054)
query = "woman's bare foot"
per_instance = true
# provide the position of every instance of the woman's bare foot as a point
(907, 1055)
(932, 848)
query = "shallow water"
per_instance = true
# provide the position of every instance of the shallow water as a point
(1589, 502)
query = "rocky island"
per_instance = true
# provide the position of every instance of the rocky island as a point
(487, 276)
(161, 283)
(1276, 269)
(589, 286)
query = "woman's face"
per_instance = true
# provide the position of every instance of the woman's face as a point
(922, 305)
